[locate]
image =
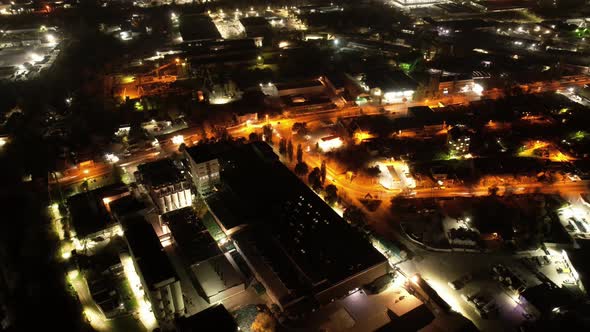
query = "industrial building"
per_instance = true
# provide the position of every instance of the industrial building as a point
(216, 273)
(256, 26)
(204, 168)
(216, 316)
(166, 184)
(280, 227)
(417, 3)
(92, 222)
(197, 27)
(386, 86)
(158, 278)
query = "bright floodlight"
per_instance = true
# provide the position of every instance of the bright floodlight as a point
(35, 57)
(415, 279)
(330, 143)
(111, 158)
(51, 39)
(178, 139)
(478, 89)
(73, 274)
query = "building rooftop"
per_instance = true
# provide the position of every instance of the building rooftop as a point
(160, 173)
(215, 315)
(255, 22)
(389, 80)
(198, 27)
(154, 265)
(413, 320)
(289, 224)
(88, 211)
(190, 236)
(420, 111)
(126, 206)
(216, 275)
(206, 152)
(298, 84)
(546, 296)
(459, 131)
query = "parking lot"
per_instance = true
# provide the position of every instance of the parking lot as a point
(439, 269)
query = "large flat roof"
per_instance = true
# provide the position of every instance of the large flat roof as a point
(154, 265)
(293, 230)
(206, 152)
(88, 212)
(216, 316)
(126, 206)
(160, 172)
(390, 80)
(198, 27)
(190, 236)
(299, 84)
(216, 275)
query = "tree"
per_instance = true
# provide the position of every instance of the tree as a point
(85, 185)
(283, 146)
(299, 153)
(331, 195)
(300, 128)
(222, 133)
(264, 322)
(323, 172)
(290, 150)
(253, 137)
(267, 133)
(493, 190)
(373, 171)
(354, 215)
(118, 174)
(314, 179)
(200, 207)
(301, 169)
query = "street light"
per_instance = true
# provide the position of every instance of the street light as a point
(35, 57)
(111, 158)
(178, 139)
(51, 39)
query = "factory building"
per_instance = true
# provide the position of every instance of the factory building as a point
(166, 185)
(417, 3)
(386, 86)
(158, 278)
(91, 218)
(280, 226)
(204, 168)
(216, 273)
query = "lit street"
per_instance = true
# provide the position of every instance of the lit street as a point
(342, 166)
